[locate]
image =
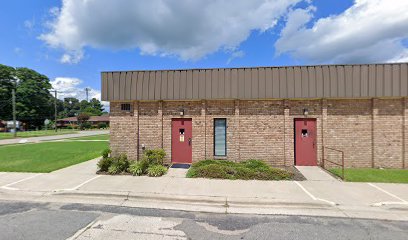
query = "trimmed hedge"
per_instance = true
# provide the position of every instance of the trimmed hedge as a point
(248, 170)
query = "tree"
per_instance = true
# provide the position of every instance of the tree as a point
(34, 101)
(71, 107)
(7, 83)
(82, 119)
(93, 107)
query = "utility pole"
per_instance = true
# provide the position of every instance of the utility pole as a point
(13, 94)
(55, 110)
(86, 90)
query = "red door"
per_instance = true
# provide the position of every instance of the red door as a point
(305, 142)
(181, 140)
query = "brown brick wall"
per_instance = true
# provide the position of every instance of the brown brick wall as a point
(370, 131)
(348, 128)
(388, 136)
(123, 131)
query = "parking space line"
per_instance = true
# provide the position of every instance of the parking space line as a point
(7, 186)
(313, 197)
(80, 185)
(386, 192)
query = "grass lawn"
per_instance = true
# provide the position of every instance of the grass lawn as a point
(40, 133)
(373, 175)
(248, 170)
(47, 156)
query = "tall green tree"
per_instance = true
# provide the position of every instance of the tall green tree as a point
(71, 107)
(34, 101)
(93, 107)
(7, 83)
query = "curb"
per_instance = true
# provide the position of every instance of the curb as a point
(216, 201)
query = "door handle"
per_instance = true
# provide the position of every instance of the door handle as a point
(189, 141)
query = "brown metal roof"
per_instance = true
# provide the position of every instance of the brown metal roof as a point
(323, 81)
(103, 118)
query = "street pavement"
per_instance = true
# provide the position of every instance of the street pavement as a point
(54, 137)
(31, 220)
(320, 197)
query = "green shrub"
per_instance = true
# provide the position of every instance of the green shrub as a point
(154, 156)
(215, 171)
(106, 153)
(118, 164)
(102, 125)
(86, 125)
(136, 169)
(104, 164)
(274, 174)
(69, 127)
(122, 162)
(114, 169)
(245, 173)
(208, 162)
(248, 170)
(255, 164)
(156, 170)
(144, 164)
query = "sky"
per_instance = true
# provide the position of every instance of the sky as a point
(72, 41)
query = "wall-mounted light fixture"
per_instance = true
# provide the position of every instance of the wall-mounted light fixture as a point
(182, 112)
(305, 112)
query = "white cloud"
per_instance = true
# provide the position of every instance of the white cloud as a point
(236, 54)
(369, 31)
(187, 29)
(72, 57)
(71, 87)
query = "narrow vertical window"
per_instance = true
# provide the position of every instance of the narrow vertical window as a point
(220, 137)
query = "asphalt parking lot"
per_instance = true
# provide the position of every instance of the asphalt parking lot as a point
(267, 197)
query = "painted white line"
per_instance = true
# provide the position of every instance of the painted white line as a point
(7, 186)
(80, 185)
(10, 188)
(313, 197)
(386, 192)
(388, 203)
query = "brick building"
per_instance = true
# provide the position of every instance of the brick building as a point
(283, 115)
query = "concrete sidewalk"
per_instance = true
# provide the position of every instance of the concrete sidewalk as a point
(315, 173)
(80, 184)
(50, 138)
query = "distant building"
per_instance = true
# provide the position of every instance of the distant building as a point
(2, 126)
(6, 126)
(73, 121)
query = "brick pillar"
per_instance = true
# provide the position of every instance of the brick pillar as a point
(323, 127)
(373, 124)
(288, 135)
(136, 116)
(160, 116)
(204, 116)
(238, 129)
(405, 133)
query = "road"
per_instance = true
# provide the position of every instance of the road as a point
(29, 220)
(53, 137)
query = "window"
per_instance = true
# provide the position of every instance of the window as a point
(125, 106)
(220, 137)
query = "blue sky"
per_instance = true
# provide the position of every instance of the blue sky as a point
(72, 41)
